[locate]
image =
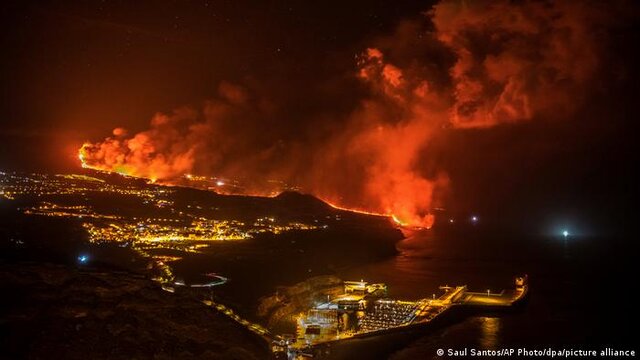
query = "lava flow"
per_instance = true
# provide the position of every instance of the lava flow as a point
(426, 222)
(384, 151)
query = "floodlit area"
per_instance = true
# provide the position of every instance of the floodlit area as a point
(364, 309)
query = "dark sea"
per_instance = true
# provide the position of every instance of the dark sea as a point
(580, 289)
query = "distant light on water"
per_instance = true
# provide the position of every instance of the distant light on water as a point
(568, 228)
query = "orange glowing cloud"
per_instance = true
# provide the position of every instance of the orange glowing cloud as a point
(517, 60)
(477, 65)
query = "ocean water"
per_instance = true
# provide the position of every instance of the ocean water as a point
(580, 289)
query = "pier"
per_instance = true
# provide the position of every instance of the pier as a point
(364, 310)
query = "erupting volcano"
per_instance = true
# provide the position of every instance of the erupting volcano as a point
(428, 79)
(293, 179)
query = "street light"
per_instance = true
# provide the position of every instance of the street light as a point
(565, 234)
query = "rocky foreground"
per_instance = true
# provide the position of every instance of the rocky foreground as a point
(55, 311)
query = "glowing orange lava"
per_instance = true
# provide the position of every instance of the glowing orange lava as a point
(359, 211)
(426, 222)
(398, 221)
(82, 156)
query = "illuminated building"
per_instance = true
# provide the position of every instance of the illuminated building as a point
(364, 310)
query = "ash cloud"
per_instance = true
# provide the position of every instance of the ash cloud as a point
(518, 60)
(462, 65)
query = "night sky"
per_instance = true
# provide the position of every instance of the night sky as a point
(296, 75)
(77, 69)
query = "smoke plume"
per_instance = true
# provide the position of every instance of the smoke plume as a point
(463, 65)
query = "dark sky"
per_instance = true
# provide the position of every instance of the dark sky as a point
(80, 68)
(74, 70)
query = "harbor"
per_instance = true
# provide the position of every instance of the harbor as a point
(364, 311)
